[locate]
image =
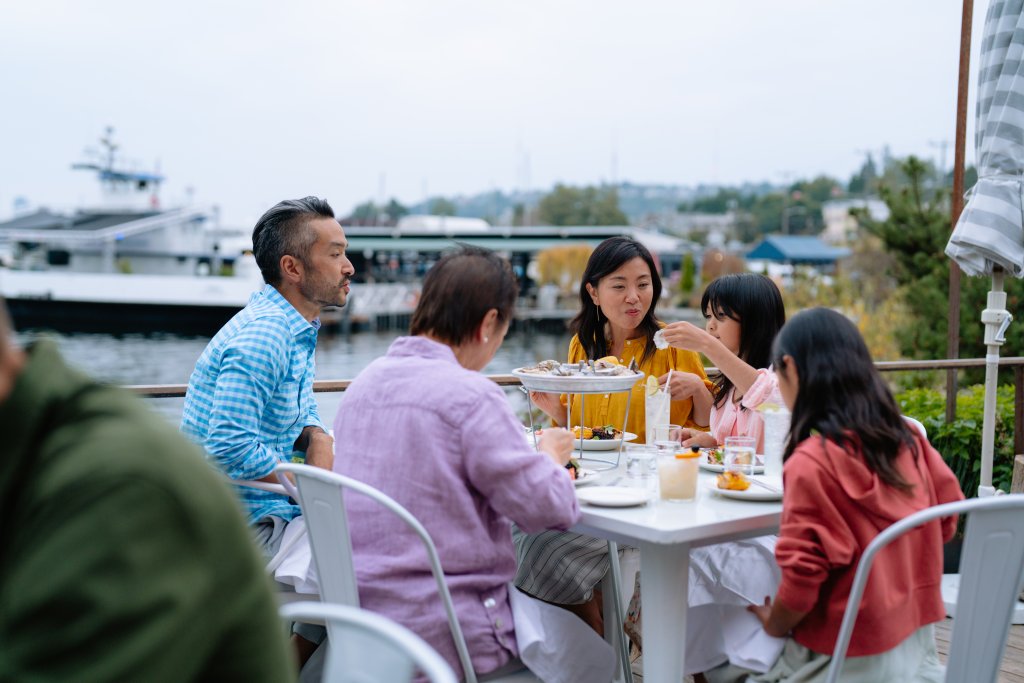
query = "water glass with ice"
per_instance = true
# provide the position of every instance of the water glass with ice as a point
(738, 455)
(666, 436)
(641, 461)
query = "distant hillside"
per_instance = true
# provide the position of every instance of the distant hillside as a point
(636, 200)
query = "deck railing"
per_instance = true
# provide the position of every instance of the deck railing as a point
(1014, 362)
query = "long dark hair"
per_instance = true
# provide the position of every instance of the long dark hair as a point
(588, 325)
(841, 395)
(752, 300)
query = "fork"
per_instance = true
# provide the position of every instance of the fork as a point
(773, 489)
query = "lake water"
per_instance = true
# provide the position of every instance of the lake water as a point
(169, 359)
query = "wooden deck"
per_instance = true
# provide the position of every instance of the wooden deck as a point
(1012, 669)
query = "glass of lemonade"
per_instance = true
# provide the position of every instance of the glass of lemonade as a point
(677, 474)
(657, 405)
(738, 455)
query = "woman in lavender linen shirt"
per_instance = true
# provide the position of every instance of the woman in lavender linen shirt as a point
(425, 427)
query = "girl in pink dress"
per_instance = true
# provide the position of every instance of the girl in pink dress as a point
(744, 312)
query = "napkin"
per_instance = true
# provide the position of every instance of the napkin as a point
(556, 645)
(293, 564)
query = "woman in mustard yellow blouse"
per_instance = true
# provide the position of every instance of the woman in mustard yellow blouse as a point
(619, 289)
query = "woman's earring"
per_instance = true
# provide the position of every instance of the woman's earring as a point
(486, 339)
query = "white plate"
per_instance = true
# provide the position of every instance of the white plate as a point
(575, 384)
(612, 496)
(755, 492)
(593, 444)
(585, 476)
(711, 467)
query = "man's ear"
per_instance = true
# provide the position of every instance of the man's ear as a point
(291, 268)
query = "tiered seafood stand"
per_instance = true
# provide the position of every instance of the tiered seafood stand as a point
(583, 380)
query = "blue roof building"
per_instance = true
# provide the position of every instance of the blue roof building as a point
(797, 250)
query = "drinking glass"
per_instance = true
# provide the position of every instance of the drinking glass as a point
(776, 429)
(738, 455)
(656, 412)
(665, 436)
(641, 461)
(677, 474)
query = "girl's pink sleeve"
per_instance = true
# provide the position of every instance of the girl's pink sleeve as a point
(765, 389)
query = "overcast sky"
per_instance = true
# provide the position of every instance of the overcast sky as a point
(251, 102)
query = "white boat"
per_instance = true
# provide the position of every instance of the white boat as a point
(122, 268)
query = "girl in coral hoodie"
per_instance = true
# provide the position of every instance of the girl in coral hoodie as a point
(852, 467)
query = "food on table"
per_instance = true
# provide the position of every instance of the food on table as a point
(574, 468)
(715, 456)
(744, 458)
(605, 367)
(542, 368)
(605, 433)
(733, 481)
(588, 433)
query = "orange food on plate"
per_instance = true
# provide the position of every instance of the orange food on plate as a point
(733, 481)
(588, 433)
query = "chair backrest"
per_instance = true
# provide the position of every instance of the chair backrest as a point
(990, 579)
(916, 424)
(321, 495)
(368, 647)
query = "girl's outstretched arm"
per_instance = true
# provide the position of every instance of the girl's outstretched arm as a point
(777, 619)
(685, 335)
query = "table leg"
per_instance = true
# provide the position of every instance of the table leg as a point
(613, 615)
(664, 590)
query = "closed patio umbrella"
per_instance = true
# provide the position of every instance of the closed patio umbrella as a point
(989, 236)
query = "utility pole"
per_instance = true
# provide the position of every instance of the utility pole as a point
(868, 163)
(786, 177)
(941, 145)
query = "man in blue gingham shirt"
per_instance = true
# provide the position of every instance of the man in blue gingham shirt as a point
(250, 398)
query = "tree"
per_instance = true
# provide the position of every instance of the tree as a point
(395, 210)
(581, 206)
(723, 201)
(364, 214)
(563, 266)
(864, 180)
(687, 279)
(915, 234)
(443, 207)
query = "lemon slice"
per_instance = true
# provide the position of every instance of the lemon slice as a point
(652, 385)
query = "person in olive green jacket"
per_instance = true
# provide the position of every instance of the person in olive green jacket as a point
(122, 557)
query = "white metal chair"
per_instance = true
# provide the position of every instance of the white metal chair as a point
(368, 647)
(917, 424)
(990, 579)
(320, 493)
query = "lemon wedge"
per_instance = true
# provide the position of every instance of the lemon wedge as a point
(610, 360)
(652, 385)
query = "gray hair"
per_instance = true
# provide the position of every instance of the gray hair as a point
(284, 230)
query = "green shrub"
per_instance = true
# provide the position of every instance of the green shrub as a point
(959, 442)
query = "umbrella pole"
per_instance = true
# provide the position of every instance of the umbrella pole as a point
(996, 319)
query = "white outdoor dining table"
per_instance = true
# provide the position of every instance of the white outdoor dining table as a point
(664, 532)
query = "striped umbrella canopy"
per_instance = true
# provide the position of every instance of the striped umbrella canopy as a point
(990, 230)
(989, 236)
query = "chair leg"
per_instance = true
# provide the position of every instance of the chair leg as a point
(615, 597)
